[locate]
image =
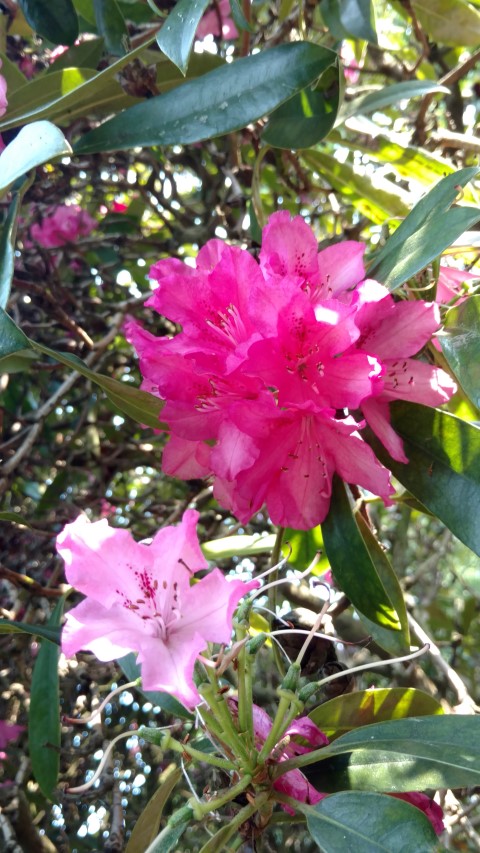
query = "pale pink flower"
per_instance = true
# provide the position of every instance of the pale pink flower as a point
(276, 364)
(140, 599)
(450, 284)
(8, 732)
(217, 21)
(63, 224)
(3, 93)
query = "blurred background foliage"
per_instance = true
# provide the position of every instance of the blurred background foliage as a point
(66, 448)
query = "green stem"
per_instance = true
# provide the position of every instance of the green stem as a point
(221, 712)
(277, 729)
(245, 690)
(202, 809)
(226, 832)
(198, 755)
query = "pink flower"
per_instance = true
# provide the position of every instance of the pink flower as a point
(3, 93)
(64, 224)
(351, 67)
(430, 808)
(301, 736)
(140, 598)
(276, 366)
(217, 22)
(450, 284)
(8, 732)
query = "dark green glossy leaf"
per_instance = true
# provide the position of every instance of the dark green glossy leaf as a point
(111, 26)
(308, 117)
(388, 95)
(369, 823)
(432, 225)
(55, 21)
(12, 339)
(412, 754)
(7, 248)
(346, 18)
(444, 465)
(356, 573)
(221, 101)
(147, 825)
(177, 34)
(364, 707)
(461, 345)
(44, 715)
(48, 633)
(138, 405)
(37, 143)
(132, 670)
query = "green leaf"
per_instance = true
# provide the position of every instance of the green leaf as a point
(12, 339)
(37, 143)
(369, 823)
(300, 546)
(432, 225)
(388, 95)
(129, 666)
(7, 246)
(56, 21)
(346, 18)
(167, 840)
(18, 362)
(139, 405)
(357, 574)
(413, 754)
(460, 343)
(224, 100)
(364, 707)
(111, 26)
(444, 465)
(239, 18)
(44, 715)
(308, 117)
(45, 89)
(177, 34)
(147, 825)
(12, 74)
(7, 627)
(87, 54)
(378, 198)
(237, 546)
(449, 21)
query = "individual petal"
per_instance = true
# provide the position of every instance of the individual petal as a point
(188, 460)
(396, 329)
(169, 666)
(289, 247)
(178, 544)
(377, 415)
(304, 736)
(109, 633)
(417, 381)
(296, 785)
(340, 268)
(450, 282)
(354, 460)
(208, 607)
(429, 807)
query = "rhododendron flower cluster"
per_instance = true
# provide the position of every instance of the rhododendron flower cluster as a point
(140, 598)
(63, 224)
(278, 365)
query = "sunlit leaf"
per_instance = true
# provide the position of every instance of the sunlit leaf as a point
(460, 342)
(177, 34)
(346, 18)
(393, 94)
(449, 21)
(37, 143)
(237, 546)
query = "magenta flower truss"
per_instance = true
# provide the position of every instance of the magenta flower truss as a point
(63, 224)
(278, 365)
(141, 598)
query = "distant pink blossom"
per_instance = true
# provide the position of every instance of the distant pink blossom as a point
(63, 224)
(217, 21)
(277, 367)
(351, 67)
(140, 599)
(3, 94)
(8, 733)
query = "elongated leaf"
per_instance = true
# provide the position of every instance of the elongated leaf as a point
(167, 840)
(132, 670)
(12, 74)
(346, 18)
(377, 198)
(38, 143)
(300, 546)
(345, 713)
(46, 88)
(388, 95)
(44, 716)
(357, 575)
(87, 54)
(176, 37)
(7, 248)
(146, 827)
(224, 100)
(48, 633)
(432, 225)
(369, 823)
(308, 117)
(461, 345)
(111, 26)
(444, 466)
(237, 546)
(449, 21)
(56, 21)
(412, 754)
(12, 339)
(139, 405)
